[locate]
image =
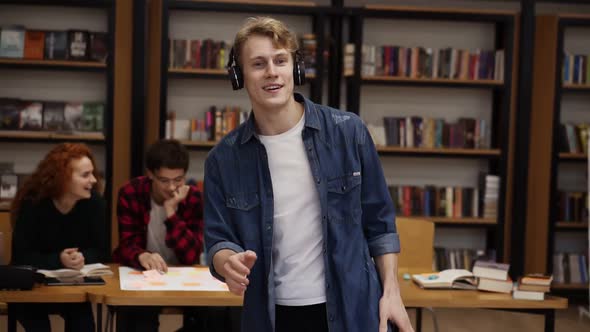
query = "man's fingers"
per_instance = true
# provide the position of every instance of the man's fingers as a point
(249, 258)
(236, 263)
(235, 288)
(382, 324)
(161, 264)
(235, 275)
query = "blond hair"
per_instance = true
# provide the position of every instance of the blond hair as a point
(276, 30)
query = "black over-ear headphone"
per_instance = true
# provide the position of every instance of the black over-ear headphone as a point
(237, 78)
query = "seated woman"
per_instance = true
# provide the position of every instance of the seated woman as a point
(59, 222)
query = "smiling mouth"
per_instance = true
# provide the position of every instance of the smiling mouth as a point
(272, 87)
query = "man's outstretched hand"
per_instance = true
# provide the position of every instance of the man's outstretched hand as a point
(235, 268)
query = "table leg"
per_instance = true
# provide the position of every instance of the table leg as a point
(98, 317)
(418, 319)
(549, 320)
(11, 319)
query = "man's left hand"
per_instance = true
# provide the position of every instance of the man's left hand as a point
(392, 309)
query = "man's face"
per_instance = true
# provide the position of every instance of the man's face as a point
(165, 182)
(268, 73)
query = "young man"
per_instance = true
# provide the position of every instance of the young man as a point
(160, 224)
(297, 207)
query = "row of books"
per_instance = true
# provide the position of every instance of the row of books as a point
(8, 188)
(575, 69)
(308, 47)
(570, 267)
(573, 137)
(17, 114)
(431, 201)
(214, 54)
(573, 207)
(208, 53)
(459, 258)
(217, 122)
(415, 131)
(78, 45)
(9, 183)
(420, 62)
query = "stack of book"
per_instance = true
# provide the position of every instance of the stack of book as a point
(532, 287)
(492, 277)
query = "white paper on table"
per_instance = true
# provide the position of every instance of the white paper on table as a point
(176, 279)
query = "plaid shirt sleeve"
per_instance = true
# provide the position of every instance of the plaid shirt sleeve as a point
(132, 240)
(185, 229)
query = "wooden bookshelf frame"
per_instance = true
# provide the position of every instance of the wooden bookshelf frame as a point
(571, 225)
(65, 65)
(441, 82)
(548, 91)
(44, 136)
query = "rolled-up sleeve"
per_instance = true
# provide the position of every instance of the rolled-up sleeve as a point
(219, 233)
(378, 216)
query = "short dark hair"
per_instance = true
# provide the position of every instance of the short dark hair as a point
(168, 153)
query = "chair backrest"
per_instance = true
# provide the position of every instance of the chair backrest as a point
(417, 244)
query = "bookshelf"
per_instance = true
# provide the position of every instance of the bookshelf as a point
(367, 95)
(65, 80)
(552, 170)
(169, 86)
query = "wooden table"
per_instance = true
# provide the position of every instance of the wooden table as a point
(45, 294)
(113, 297)
(415, 297)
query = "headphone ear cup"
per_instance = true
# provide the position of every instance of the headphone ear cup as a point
(299, 72)
(235, 77)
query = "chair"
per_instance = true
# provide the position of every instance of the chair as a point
(417, 241)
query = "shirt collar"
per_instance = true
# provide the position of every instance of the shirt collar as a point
(312, 119)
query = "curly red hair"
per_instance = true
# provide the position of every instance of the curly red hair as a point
(52, 175)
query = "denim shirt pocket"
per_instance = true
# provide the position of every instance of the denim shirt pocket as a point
(244, 213)
(344, 198)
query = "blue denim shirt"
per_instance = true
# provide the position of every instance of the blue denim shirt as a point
(358, 220)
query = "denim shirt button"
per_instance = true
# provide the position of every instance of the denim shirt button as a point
(318, 180)
(268, 228)
(331, 318)
(343, 188)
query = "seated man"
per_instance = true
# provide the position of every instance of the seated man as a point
(160, 224)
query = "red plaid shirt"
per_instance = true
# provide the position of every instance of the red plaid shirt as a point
(184, 230)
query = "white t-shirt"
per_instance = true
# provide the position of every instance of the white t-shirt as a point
(156, 235)
(297, 237)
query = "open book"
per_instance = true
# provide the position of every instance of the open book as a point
(89, 270)
(451, 278)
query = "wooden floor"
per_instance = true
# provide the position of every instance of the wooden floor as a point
(448, 319)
